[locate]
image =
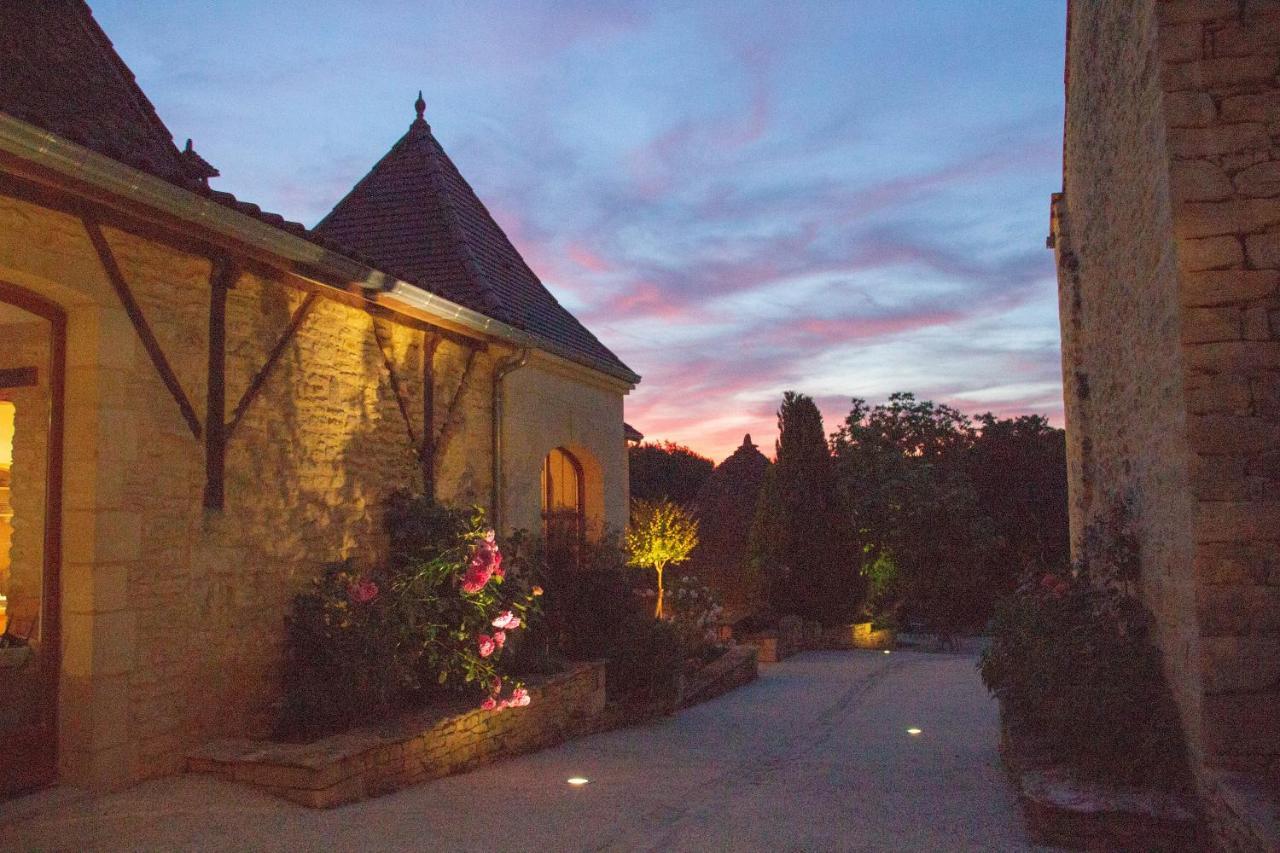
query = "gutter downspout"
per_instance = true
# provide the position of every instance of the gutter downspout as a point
(505, 367)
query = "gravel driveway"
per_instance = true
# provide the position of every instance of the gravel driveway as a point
(815, 755)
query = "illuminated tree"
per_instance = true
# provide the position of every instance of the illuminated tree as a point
(660, 534)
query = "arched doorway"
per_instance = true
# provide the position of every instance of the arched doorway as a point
(563, 502)
(32, 371)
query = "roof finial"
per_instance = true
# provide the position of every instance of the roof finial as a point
(420, 105)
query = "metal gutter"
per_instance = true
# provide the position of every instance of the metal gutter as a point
(74, 161)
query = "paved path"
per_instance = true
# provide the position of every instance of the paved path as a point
(813, 756)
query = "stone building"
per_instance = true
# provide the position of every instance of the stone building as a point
(1167, 237)
(201, 403)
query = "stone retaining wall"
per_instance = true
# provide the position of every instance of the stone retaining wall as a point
(377, 760)
(734, 668)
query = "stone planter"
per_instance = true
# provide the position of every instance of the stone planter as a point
(377, 759)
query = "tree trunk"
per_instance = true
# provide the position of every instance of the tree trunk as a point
(658, 613)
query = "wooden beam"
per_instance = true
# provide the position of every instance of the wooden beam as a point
(31, 183)
(19, 377)
(427, 451)
(260, 378)
(222, 277)
(131, 307)
(447, 428)
(396, 389)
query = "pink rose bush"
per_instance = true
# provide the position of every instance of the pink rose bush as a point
(363, 590)
(436, 616)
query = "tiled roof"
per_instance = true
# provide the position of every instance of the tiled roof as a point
(60, 72)
(415, 212)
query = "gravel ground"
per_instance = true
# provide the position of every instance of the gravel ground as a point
(815, 755)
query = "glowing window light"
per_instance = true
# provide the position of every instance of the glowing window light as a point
(578, 781)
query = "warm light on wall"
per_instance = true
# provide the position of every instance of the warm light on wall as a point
(6, 434)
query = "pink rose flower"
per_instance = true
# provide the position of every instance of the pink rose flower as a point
(475, 578)
(519, 698)
(486, 644)
(506, 619)
(496, 685)
(500, 638)
(362, 591)
(489, 704)
(490, 536)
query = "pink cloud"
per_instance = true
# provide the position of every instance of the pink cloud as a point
(587, 259)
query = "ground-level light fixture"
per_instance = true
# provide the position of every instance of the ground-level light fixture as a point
(577, 781)
(913, 731)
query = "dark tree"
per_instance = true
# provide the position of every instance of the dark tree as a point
(1018, 467)
(797, 542)
(667, 471)
(726, 509)
(951, 515)
(903, 486)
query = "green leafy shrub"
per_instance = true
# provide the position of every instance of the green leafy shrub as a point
(1071, 659)
(434, 619)
(645, 657)
(596, 607)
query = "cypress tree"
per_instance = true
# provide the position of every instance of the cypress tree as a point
(797, 543)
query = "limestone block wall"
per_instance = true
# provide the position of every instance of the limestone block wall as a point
(1122, 358)
(548, 407)
(173, 615)
(1168, 243)
(1220, 72)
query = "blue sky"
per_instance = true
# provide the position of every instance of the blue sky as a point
(841, 198)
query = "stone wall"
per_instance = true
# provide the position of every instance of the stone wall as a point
(549, 405)
(1118, 286)
(1220, 73)
(1168, 243)
(376, 760)
(173, 615)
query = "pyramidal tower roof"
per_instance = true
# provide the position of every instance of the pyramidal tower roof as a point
(414, 212)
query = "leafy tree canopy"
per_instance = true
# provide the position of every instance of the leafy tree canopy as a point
(660, 534)
(667, 471)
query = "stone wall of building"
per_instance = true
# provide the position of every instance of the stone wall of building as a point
(549, 405)
(1168, 243)
(173, 614)
(1220, 71)
(1122, 359)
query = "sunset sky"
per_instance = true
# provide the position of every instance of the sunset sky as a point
(841, 198)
